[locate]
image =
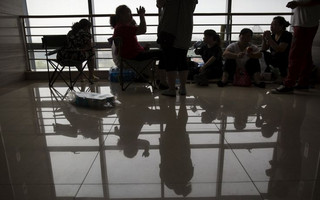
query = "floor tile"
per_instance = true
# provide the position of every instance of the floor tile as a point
(213, 143)
(30, 191)
(289, 189)
(118, 176)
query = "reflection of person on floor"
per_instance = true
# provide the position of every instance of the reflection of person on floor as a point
(231, 106)
(267, 119)
(81, 123)
(133, 115)
(285, 169)
(131, 120)
(210, 105)
(176, 168)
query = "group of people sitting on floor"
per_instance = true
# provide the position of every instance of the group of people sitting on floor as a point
(241, 58)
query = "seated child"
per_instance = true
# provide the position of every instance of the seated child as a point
(211, 54)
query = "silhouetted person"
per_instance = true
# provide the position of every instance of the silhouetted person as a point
(133, 115)
(209, 103)
(211, 54)
(174, 36)
(269, 114)
(79, 46)
(131, 120)
(305, 22)
(278, 41)
(242, 58)
(285, 172)
(176, 168)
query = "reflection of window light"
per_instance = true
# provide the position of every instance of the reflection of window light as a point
(111, 167)
(102, 30)
(68, 178)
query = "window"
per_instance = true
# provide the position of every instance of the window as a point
(208, 15)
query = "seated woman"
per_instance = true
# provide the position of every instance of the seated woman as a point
(79, 46)
(126, 28)
(211, 54)
(278, 41)
(242, 56)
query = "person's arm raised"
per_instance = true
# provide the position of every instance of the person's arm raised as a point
(142, 27)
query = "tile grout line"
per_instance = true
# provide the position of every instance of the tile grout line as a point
(244, 168)
(95, 158)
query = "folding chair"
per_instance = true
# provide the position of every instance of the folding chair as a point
(139, 67)
(57, 42)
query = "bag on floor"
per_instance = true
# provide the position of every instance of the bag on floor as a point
(92, 100)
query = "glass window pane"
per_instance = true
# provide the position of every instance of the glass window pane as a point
(260, 23)
(255, 6)
(256, 24)
(109, 7)
(57, 7)
(209, 6)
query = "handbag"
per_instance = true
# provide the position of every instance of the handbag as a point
(241, 78)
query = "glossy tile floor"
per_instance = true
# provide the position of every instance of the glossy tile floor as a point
(215, 143)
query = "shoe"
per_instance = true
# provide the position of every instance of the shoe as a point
(282, 90)
(260, 85)
(221, 84)
(182, 91)
(94, 78)
(168, 92)
(301, 87)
